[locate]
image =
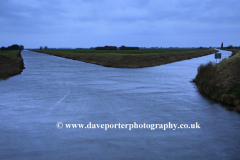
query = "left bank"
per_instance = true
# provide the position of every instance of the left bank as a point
(11, 63)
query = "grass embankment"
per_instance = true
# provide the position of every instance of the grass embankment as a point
(11, 63)
(130, 58)
(221, 82)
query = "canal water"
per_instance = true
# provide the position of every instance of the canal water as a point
(55, 90)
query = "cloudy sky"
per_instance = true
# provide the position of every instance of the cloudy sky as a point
(143, 23)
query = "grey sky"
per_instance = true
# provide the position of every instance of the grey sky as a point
(143, 23)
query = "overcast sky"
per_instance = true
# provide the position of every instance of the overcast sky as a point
(143, 23)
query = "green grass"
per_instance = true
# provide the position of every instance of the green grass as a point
(11, 63)
(123, 51)
(129, 58)
(12, 54)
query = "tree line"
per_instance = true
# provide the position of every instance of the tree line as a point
(128, 48)
(115, 48)
(41, 47)
(229, 47)
(13, 47)
(106, 48)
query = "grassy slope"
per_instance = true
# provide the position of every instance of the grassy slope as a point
(11, 63)
(129, 58)
(221, 82)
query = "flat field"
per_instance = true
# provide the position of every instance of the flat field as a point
(129, 58)
(123, 51)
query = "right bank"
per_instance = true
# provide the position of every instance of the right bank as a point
(221, 82)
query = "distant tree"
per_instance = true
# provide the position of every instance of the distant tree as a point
(128, 48)
(222, 45)
(45, 47)
(106, 48)
(3, 48)
(230, 47)
(21, 47)
(41, 48)
(14, 47)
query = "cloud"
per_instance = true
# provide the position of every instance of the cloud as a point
(107, 19)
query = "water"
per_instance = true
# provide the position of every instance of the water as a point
(53, 89)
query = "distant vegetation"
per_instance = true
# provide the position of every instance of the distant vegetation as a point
(107, 48)
(13, 47)
(44, 47)
(229, 47)
(129, 58)
(221, 82)
(115, 48)
(128, 48)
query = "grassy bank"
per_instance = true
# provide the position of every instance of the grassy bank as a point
(130, 58)
(11, 63)
(221, 82)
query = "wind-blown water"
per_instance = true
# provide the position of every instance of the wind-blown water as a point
(53, 89)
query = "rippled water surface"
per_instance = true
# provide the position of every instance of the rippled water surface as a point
(53, 89)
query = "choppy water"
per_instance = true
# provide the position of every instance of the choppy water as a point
(53, 89)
